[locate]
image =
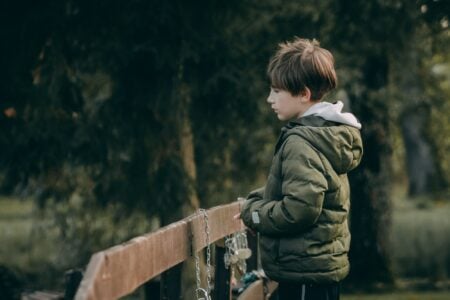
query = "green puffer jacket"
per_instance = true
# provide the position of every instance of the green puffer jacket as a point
(301, 213)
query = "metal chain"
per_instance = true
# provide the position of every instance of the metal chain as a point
(208, 260)
(197, 274)
(208, 251)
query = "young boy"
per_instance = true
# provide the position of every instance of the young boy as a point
(301, 213)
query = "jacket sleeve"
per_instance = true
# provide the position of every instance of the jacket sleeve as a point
(254, 200)
(303, 189)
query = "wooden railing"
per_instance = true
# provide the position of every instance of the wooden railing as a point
(120, 270)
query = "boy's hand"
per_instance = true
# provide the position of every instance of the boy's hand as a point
(238, 216)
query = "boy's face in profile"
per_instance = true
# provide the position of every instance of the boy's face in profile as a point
(286, 106)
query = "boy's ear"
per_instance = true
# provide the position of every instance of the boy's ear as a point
(306, 94)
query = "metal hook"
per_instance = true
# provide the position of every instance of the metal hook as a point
(205, 294)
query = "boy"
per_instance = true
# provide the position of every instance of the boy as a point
(301, 213)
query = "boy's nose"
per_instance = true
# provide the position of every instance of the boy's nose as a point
(269, 100)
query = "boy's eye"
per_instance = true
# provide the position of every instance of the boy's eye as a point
(275, 90)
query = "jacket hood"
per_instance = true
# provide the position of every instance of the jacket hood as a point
(340, 142)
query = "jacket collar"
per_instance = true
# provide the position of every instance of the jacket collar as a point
(310, 120)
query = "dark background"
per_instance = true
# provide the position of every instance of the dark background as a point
(117, 117)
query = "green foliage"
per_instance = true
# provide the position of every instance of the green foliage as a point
(438, 89)
(419, 240)
(399, 296)
(22, 251)
(81, 229)
(113, 84)
(95, 98)
(47, 243)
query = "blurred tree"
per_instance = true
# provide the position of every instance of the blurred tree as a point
(115, 91)
(364, 48)
(157, 106)
(151, 101)
(421, 27)
(434, 73)
(137, 104)
(370, 37)
(437, 80)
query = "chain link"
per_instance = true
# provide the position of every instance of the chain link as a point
(197, 274)
(208, 251)
(208, 259)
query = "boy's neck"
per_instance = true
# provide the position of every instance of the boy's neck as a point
(306, 107)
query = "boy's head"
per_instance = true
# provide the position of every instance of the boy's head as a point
(302, 64)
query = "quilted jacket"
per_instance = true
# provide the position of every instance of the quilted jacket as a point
(302, 212)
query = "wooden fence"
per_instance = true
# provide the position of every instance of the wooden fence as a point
(120, 270)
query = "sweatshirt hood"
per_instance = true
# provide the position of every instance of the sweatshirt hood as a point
(333, 112)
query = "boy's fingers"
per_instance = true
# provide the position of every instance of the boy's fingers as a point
(238, 216)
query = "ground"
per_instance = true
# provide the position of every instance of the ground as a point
(22, 251)
(400, 296)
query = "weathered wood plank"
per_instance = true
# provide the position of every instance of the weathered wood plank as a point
(256, 290)
(221, 224)
(119, 270)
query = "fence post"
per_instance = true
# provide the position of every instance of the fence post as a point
(152, 290)
(252, 240)
(222, 276)
(72, 278)
(171, 283)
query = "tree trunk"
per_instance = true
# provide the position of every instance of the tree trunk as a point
(421, 168)
(187, 149)
(414, 120)
(371, 208)
(192, 203)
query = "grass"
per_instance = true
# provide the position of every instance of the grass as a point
(15, 219)
(25, 249)
(16, 223)
(40, 252)
(400, 296)
(420, 240)
(420, 245)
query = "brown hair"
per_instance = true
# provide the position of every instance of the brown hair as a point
(302, 64)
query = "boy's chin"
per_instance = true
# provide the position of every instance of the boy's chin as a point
(283, 118)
